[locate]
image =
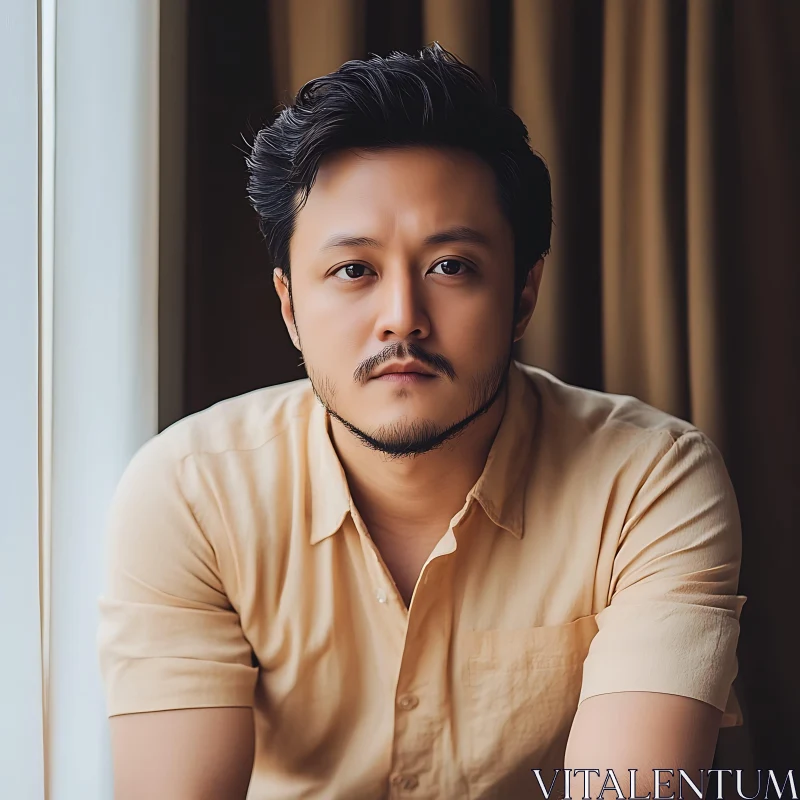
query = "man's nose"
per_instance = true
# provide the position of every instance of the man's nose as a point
(401, 311)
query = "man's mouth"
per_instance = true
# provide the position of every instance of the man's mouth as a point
(405, 377)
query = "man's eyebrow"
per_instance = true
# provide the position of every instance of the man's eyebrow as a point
(343, 240)
(459, 233)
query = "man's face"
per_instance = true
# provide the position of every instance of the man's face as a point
(397, 255)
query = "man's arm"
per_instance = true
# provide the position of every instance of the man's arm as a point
(187, 754)
(178, 671)
(660, 669)
(644, 731)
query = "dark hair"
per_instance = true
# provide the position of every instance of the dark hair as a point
(430, 98)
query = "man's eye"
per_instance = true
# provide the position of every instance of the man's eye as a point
(350, 272)
(451, 266)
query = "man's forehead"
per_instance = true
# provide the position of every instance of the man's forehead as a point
(407, 166)
(359, 192)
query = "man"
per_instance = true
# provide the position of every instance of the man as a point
(427, 570)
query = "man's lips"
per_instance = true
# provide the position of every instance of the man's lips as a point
(410, 367)
(404, 376)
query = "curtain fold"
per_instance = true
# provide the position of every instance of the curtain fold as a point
(703, 256)
(538, 87)
(556, 67)
(311, 38)
(464, 25)
(643, 175)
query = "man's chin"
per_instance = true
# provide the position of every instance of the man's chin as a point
(403, 436)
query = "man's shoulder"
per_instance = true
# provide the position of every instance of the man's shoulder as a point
(577, 413)
(245, 422)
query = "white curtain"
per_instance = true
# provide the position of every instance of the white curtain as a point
(21, 752)
(78, 332)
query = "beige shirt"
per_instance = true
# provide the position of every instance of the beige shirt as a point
(598, 552)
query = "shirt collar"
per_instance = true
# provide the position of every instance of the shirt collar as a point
(500, 489)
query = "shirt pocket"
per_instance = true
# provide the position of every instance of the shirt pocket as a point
(521, 695)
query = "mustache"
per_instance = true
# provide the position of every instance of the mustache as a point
(398, 350)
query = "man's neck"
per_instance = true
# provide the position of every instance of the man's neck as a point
(413, 497)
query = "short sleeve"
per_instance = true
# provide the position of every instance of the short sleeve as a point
(168, 637)
(672, 623)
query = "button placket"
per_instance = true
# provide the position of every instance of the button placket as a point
(407, 702)
(383, 588)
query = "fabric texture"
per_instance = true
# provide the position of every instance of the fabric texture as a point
(598, 552)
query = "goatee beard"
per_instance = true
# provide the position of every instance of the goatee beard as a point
(405, 440)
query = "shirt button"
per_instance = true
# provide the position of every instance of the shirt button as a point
(380, 595)
(406, 782)
(408, 701)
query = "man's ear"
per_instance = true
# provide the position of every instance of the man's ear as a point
(281, 283)
(528, 298)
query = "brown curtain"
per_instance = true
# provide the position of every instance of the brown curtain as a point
(671, 130)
